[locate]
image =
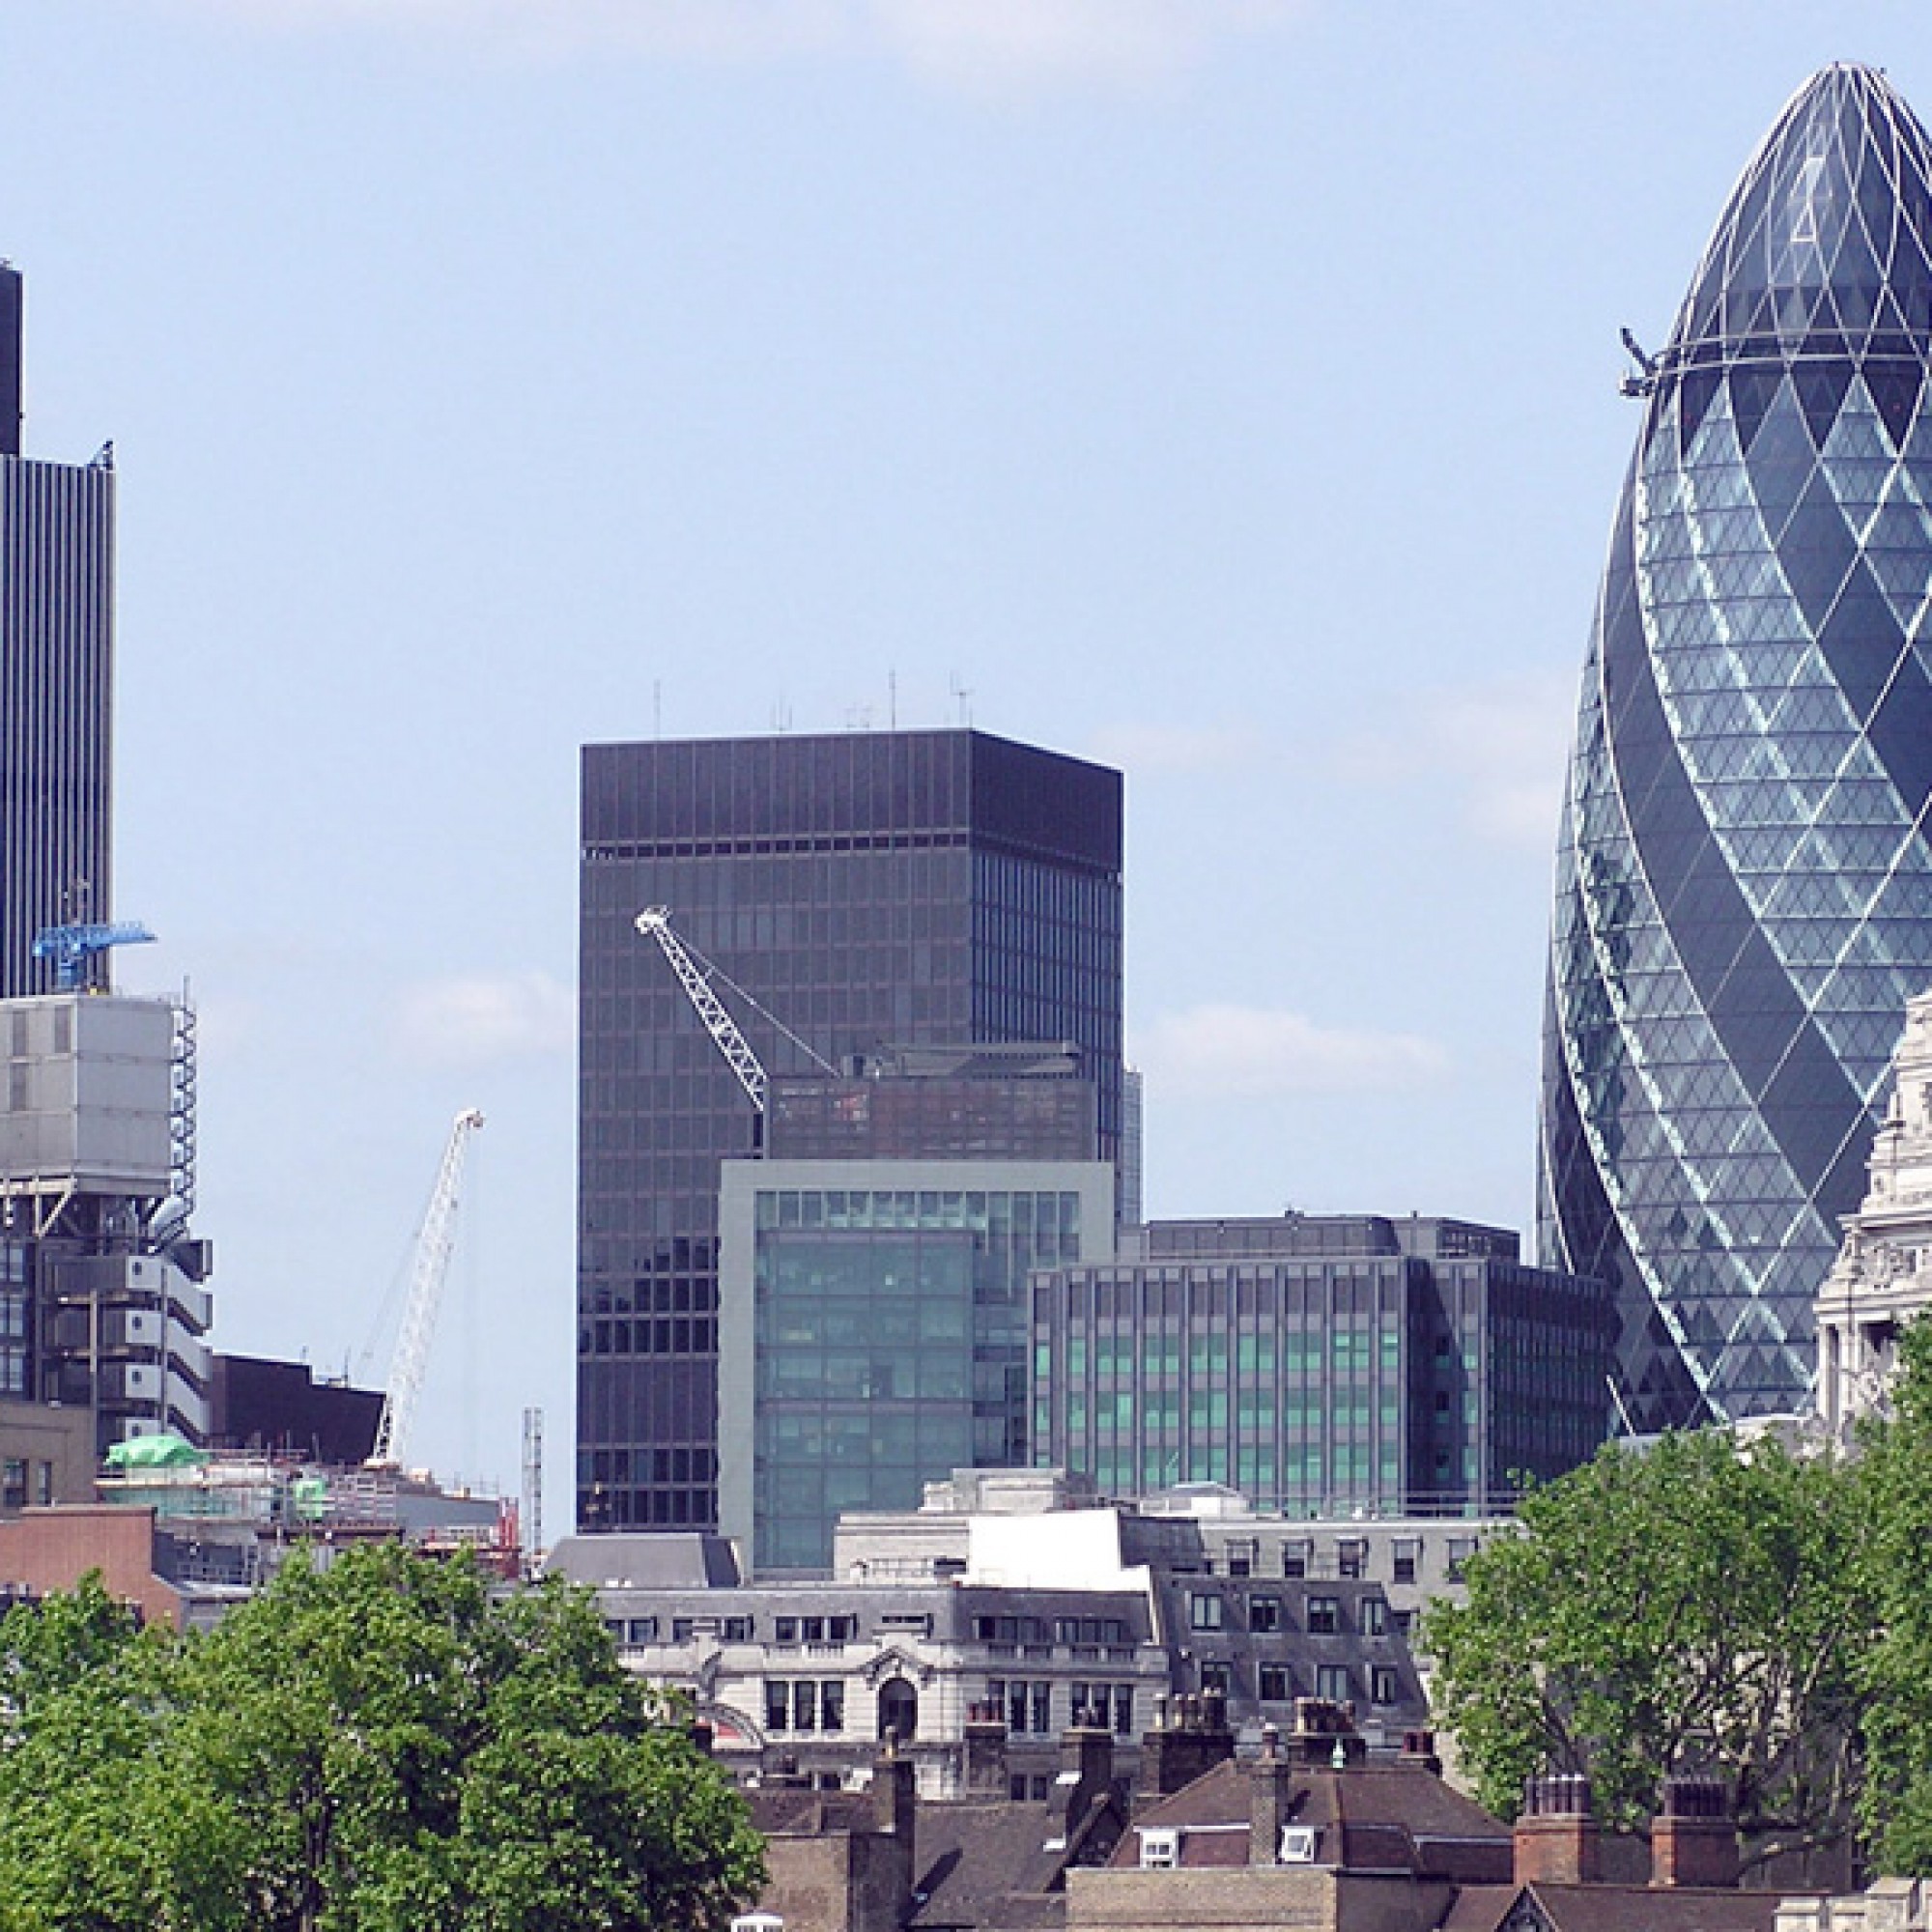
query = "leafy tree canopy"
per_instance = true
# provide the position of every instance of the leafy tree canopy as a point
(1693, 1609)
(1896, 1473)
(379, 1744)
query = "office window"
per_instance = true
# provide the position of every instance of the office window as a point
(1375, 1616)
(1276, 1684)
(1350, 1558)
(1324, 1617)
(1404, 1560)
(1331, 1681)
(1204, 1611)
(640, 1630)
(14, 1483)
(737, 1630)
(1294, 1559)
(1217, 1677)
(1381, 1684)
(1263, 1614)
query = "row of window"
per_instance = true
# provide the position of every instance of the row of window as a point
(1031, 1708)
(22, 1483)
(664, 1336)
(740, 1629)
(1322, 1616)
(1276, 1683)
(805, 1704)
(1052, 1630)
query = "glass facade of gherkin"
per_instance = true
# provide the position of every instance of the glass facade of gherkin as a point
(1745, 872)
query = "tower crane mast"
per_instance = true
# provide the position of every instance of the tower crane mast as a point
(426, 1278)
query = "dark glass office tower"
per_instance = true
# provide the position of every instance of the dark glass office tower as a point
(924, 888)
(1745, 878)
(56, 662)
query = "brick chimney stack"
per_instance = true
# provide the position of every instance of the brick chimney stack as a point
(1556, 1835)
(1272, 1793)
(1693, 1838)
(986, 1753)
(1188, 1740)
(1085, 1773)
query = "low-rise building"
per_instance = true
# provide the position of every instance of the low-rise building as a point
(1012, 1590)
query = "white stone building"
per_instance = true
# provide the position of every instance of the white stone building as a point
(1883, 1276)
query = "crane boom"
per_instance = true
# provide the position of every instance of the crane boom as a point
(654, 921)
(432, 1264)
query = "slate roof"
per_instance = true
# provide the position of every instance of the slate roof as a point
(999, 1864)
(1370, 1818)
(1612, 1908)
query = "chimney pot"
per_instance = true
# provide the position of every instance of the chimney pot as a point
(1556, 1840)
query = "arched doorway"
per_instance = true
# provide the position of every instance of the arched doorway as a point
(899, 1709)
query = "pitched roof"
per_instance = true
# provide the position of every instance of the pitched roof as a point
(999, 1865)
(1615, 1908)
(1396, 1817)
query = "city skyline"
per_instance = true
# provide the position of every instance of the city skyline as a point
(1167, 392)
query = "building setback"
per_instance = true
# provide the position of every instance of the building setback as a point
(1321, 1365)
(1743, 896)
(925, 889)
(56, 669)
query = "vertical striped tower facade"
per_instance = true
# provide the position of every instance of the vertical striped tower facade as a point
(56, 672)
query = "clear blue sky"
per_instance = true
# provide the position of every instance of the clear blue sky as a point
(1225, 387)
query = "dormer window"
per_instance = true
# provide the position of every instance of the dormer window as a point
(1160, 1848)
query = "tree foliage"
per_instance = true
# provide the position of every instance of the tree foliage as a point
(379, 1744)
(1896, 1472)
(1697, 1609)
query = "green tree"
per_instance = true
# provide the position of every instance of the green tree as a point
(1695, 1608)
(1896, 1470)
(383, 1743)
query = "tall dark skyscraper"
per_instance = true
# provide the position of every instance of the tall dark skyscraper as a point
(1745, 877)
(56, 669)
(926, 888)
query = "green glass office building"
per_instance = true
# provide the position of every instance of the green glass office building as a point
(1321, 1365)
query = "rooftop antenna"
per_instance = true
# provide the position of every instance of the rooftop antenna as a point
(892, 700)
(962, 696)
(657, 707)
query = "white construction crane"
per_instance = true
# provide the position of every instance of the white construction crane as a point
(432, 1264)
(654, 923)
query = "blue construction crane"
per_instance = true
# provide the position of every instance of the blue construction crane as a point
(72, 947)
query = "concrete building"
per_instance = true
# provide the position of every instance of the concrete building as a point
(56, 680)
(46, 1455)
(103, 1301)
(931, 889)
(990, 1518)
(1325, 1365)
(1883, 1276)
(813, 1675)
(1009, 1592)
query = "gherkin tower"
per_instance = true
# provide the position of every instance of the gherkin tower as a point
(1744, 895)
